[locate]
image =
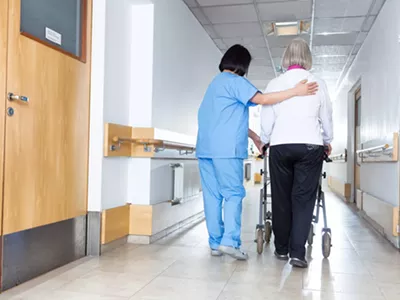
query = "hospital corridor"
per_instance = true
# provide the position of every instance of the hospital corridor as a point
(199, 150)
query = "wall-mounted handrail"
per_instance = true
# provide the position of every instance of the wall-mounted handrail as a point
(340, 156)
(376, 149)
(159, 145)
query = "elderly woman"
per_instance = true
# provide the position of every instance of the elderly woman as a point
(297, 132)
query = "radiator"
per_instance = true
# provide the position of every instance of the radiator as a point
(247, 171)
(179, 179)
(186, 182)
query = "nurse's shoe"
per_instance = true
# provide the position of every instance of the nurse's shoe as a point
(215, 252)
(234, 252)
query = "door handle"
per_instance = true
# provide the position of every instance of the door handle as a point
(13, 97)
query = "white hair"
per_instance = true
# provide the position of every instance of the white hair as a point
(297, 53)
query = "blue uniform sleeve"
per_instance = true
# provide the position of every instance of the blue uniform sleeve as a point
(243, 90)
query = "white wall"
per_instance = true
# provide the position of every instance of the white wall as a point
(117, 82)
(185, 61)
(378, 67)
(154, 71)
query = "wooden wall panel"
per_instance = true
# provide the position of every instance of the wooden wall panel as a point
(141, 218)
(339, 187)
(114, 224)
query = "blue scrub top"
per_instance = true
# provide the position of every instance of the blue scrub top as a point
(223, 117)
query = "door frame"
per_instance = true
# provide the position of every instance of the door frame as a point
(351, 139)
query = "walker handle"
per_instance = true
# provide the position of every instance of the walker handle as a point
(326, 157)
(264, 151)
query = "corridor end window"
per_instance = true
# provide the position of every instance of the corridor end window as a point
(60, 24)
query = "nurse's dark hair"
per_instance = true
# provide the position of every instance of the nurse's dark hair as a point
(236, 59)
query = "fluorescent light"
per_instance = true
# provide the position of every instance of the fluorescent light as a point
(287, 28)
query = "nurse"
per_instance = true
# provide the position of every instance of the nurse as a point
(222, 142)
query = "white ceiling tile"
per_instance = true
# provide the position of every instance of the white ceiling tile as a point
(238, 30)
(259, 53)
(285, 11)
(284, 41)
(254, 42)
(277, 61)
(222, 2)
(200, 16)
(327, 68)
(191, 3)
(231, 14)
(249, 42)
(331, 25)
(368, 24)
(323, 60)
(335, 39)
(261, 62)
(277, 51)
(342, 8)
(210, 30)
(377, 7)
(220, 44)
(332, 50)
(254, 70)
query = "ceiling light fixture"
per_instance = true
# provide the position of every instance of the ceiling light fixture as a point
(286, 28)
(292, 28)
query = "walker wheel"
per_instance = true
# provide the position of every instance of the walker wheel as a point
(268, 232)
(326, 244)
(311, 234)
(260, 241)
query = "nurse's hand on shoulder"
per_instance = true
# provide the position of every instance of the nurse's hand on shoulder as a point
(305, 89)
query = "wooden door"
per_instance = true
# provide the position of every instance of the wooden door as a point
(46, 139)
(357, 139)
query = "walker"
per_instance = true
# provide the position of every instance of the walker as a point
(264, 226)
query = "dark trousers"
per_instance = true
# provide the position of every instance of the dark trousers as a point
(295, 172)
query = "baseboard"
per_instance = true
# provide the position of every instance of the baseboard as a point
(359, 199)
(114, 224)
(383, 216)
(114, 244)
(340, 188)
(142, 239)
(31, 253)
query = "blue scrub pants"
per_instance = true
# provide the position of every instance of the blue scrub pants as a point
(222, 179)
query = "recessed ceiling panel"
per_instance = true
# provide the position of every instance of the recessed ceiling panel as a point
(335, 39)
(238, 30)
(332, 50)
(231, 14)
(285, 11)
(284, 41)
(331, 25)
(259, 53)
(323, 60)
(342, 8)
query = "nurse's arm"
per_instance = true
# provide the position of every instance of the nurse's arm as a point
(301, 89)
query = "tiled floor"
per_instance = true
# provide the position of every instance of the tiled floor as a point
(362, 266)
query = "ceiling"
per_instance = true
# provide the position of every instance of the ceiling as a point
(338, 29)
